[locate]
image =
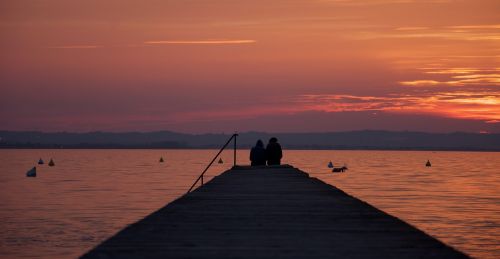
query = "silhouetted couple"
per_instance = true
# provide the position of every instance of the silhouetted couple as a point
(272, 154)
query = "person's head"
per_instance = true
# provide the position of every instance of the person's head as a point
(259, 143)
(273, 140)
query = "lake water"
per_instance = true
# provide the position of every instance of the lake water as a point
(91, 194)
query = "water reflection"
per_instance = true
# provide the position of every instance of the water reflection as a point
(91, 194)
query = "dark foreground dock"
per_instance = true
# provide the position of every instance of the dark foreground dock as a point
(270, 213)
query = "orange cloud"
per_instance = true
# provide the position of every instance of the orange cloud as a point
(485, 26)
(202, 42)
(488, 32)
(421, 83)
(415, 28)
(381, 2)
(449, 35)
(483, 106)
(458, 77)
(492, 81)
(77, 47)
(446, 104)
(494, 77)
(451, 70)
(160, 42)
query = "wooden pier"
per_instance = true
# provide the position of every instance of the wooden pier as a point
(270, 212)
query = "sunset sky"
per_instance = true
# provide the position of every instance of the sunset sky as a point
(237, 65)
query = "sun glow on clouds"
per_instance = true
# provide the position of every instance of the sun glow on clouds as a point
(420, 82)
(437, 57)
(453, 70)
(485, 32)
(479, 105)
(473, 80)
(459, 77)
(463, 105)
(472, 92)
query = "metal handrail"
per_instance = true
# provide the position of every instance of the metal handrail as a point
(213, 160)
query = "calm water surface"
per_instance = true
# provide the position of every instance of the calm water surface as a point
(91, 194)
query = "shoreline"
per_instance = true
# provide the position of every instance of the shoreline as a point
(248, 148)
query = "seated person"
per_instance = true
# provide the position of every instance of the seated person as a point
(258, 154)
(274, 152)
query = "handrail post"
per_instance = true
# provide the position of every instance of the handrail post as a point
(213, 160)
(235, 135)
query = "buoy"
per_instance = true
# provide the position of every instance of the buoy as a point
(428, 164)
(220, 161)
(40, 161)
(51, 162)
(31, 172)
(161, 160)
(330, 165)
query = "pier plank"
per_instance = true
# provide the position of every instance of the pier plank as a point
(270, 212)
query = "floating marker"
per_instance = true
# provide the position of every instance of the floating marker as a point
(220, 161)
(428, 164)
(31, 172)
(40, 161)
(161, 160)
(330, 165)
(51, 162)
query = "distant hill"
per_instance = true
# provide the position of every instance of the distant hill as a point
(378, 140)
